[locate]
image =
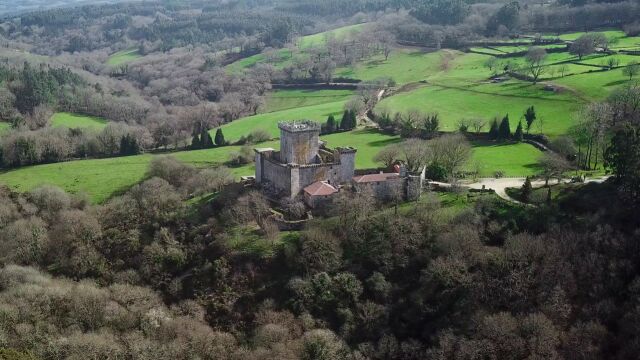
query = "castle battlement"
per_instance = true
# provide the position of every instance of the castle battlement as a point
(299, 126)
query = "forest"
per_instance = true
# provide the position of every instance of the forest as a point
(186, 262)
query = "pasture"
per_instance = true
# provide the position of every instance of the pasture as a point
(100, 179)
(488, 101)
(269, 121)
(288, 99)
(75, 121)
(512, 159)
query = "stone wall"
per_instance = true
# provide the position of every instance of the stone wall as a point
(347, 164)
(277, 175)
(415, 184)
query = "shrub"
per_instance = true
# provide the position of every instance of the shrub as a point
(242, 157)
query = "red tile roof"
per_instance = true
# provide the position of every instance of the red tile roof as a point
(320, 188)
(374, 178)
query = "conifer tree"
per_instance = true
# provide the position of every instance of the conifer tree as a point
(219, 139)
(331, 124)
(527, 189)
(344, 122)
(353, 119)
(195, 142)
(205, 139)
(530, 117)
(504, 132)
(518, 135)
(493, 131)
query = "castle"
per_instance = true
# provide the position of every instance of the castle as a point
(304, 166)
(302, 161)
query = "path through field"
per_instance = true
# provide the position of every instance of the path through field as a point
(501, 185)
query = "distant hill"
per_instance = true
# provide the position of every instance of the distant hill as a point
(13, 7)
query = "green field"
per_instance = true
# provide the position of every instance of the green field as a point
(74, 121)
(102, 178)
(319, 39)
(487, 101)
(288, 99)
(269, 121)
(518, 159)
(403, 66)
(123, 57)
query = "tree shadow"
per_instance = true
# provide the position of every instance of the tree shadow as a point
(615, 83)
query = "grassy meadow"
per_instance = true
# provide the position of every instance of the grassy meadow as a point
(123, 57)
(74, 121)
(289, 99)
(512, 159)
(269, 121)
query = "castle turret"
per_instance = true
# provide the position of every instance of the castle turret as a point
(299, 142)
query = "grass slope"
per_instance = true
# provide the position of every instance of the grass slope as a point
(102, 178)
(288, 99)
(517, 159)
(487, 101)
(403, 66)
(71, 121)
(269, 121)
(123, 57)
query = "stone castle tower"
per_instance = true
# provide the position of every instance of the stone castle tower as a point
(299, 142)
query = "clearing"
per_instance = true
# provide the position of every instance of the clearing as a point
(75, 121)
(123, 57)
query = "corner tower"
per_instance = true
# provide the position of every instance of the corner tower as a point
(299, 142)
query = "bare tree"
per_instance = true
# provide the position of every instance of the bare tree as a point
(553, 166)
(535, 62)
(415, 153)
(478, 124)
(451, 152)
(388, 156)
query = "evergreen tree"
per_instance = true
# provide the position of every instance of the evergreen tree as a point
(527, 189)
(504, 132)
(219, 139)
(353, 123)
(530, 117)
(331, 124)
(518, 135)
(195, 142)
(344, 122)
(205, 140)
(493, 131)
(129, 145)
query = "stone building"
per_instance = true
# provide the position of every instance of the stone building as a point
(392, 186)
(302, 161)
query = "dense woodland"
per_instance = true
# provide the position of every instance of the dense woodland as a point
(164, 271)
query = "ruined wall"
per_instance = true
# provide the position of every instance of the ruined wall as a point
(314, 173)
(278, 176)
(385, 190)
(415, 184)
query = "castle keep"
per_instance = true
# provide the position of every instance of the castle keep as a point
(302, 161)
